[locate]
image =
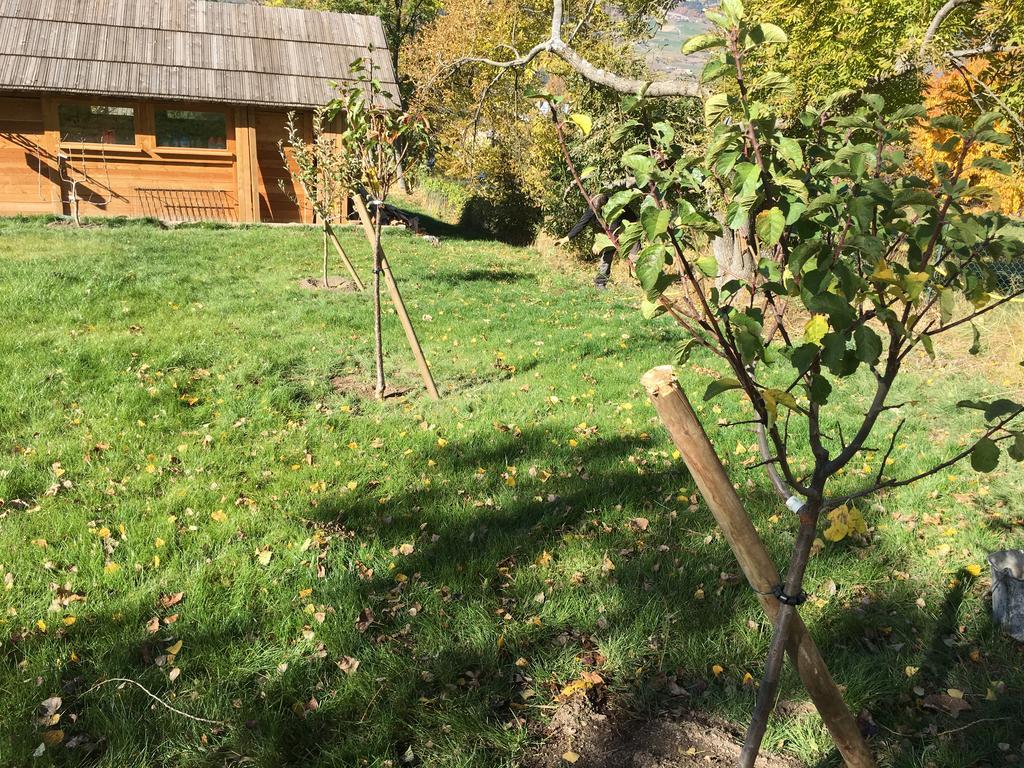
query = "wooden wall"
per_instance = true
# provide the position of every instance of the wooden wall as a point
(27, 173)
(238, 183)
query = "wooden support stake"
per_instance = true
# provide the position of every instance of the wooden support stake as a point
(344, 258)
(689, 437)
(396, 299)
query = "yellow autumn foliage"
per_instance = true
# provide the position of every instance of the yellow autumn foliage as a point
(947, 93)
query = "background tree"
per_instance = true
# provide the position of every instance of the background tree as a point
(493, 138)
(319, 169)
(378, 141)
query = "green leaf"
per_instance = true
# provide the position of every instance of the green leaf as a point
(715, 69)
(651, 309)
(993, 164)
(601, 243)
(873, 100)
(868, 345)
(790, 151)
(767, 33)
(703, 43)
(815, 329)
(733, 9)
(715, 107)
(718, 386)
(913, 197)
(584, 122)
(772, 82)
(649, 263)
(654, 221)
(928, 344)
(985, 456)
(708, 265)
(685, 349)
(947, 302)
(770, 225)
(819, 389)
(986, 121)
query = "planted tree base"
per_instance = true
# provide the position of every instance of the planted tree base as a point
(339, 284)
(362, 386)
(613, 739)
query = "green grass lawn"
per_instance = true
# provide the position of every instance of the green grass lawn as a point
(188, 503)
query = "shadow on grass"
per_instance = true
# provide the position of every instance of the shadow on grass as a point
(453, 618)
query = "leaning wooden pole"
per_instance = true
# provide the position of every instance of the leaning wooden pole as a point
(396, 299)
(689, 437)
(344, 258)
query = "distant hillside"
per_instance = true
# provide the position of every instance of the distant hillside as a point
(682, 22)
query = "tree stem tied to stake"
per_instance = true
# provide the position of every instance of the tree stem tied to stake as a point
(378, 341)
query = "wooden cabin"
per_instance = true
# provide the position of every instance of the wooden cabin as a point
(166, 108)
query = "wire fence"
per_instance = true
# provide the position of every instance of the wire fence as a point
(1009, 276)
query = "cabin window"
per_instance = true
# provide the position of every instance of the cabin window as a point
(195, 130)
(96, 124)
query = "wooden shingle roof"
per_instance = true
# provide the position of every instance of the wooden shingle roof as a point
(189, 50)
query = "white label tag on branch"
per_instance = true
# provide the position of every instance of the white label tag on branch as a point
(794, 503)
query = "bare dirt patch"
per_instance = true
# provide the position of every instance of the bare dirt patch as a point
(339, 284)
(363, 386)
(616, 740)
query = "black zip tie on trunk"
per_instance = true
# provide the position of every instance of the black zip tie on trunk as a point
(782, 597)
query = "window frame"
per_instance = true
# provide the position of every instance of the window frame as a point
(229, 128)
(137, 125)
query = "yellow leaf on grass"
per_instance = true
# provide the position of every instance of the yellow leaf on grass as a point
(843, 521)
(219, 516)
(570, 757)
(911, 671)
(111, 568)
(717, 669)
(264, 557)
(175, 649)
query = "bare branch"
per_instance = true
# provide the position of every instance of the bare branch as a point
(937, 20)
(839, 501)
(556, 46)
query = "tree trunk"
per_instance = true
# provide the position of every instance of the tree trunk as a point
(378, 341)
(780, 637)
(326, 283)
(715, 486)
(734, 261)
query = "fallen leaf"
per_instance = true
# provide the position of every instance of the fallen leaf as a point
(951, 704)
(348, 665)
(570, 757)
(264, 557)
(406, 549)
(53, 738)
(51, 705)
(168, 601)
(173, 675)
(175, 649)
